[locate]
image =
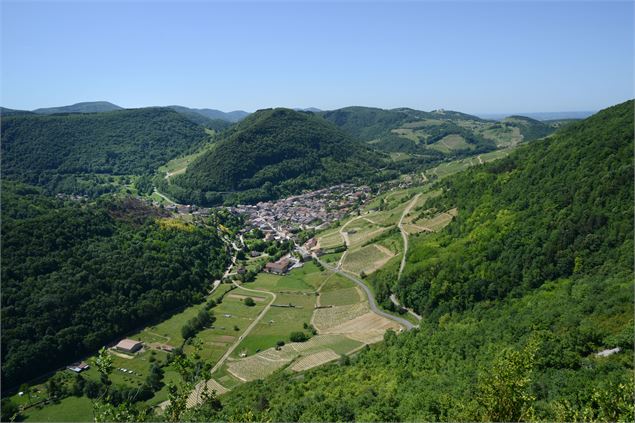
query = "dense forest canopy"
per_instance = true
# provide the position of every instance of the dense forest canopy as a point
(77, 275)
(272, 153)
(44, 150)
(558, 208)
(518, 293)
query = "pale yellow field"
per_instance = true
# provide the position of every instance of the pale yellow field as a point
(326, 318)
(314, 360)
(367, 328)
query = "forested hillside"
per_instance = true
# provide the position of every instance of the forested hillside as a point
(441, 132)
(272, 153)
(77, 275)
(217, 123)
(518, 294)
(57, 151)
(84, 107)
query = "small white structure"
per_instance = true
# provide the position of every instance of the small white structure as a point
(606, 353)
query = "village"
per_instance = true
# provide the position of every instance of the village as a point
(312, 210)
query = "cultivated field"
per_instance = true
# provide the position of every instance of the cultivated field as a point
(366, 259)
(327, 318)
(367, 328)
(331, 239)
(314, 360)
(346, 296)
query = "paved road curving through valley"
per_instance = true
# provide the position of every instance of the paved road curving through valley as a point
(371, 298)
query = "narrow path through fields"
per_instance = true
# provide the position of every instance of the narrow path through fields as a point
(404, 234)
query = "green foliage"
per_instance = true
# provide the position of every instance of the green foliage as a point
(556, 208)
(272, 153)
(512, 324)
(298, 337)
(54, 151)
(75, 276)
(203, 319)
(10, 410)
(366, 123)
(249, 302)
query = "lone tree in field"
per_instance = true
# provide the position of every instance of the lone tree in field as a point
(298, 337)
(250, 302)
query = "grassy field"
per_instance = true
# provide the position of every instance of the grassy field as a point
(366, 259)
(232, 313)
(306, 279)
(338, 297)
(278, 323)
(169, 331)
(71, 409)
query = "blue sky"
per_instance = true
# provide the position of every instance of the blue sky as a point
(475, 57)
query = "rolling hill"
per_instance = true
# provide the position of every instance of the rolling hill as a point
(58, 151)
(194, 115)
(443, 132)
(271, 153)
(519, 294)
(84, 107)
(235, 116)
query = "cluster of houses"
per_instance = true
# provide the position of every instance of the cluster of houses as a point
(186, 209)
(311, 210)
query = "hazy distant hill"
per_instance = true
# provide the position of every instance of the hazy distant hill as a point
(11, 112)
(52, 150)
(85, 107)
(445, 132)
(542, 116)
(271, 153)
(235, 116)
(197, 117)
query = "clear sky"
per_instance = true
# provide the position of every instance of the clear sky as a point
(475, 57)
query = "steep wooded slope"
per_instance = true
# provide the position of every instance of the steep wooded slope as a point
(518, 294)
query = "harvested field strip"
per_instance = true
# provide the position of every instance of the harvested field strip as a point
(438, 222)
(242, 297)
(314, 360)
(361, 237)
(326, 318)
(367, 259)
(331, 241)
(212, 386)
(367, 328)
(255, 367)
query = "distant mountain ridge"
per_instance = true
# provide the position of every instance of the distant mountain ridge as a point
(84, 107)
(235, 116)
(541, 116)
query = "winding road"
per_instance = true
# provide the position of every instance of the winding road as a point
(404, 234)
(371, 298)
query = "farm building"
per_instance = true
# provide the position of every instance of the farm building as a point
(128, 346)
(279, 267)
(78, 367)
(310, 243)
